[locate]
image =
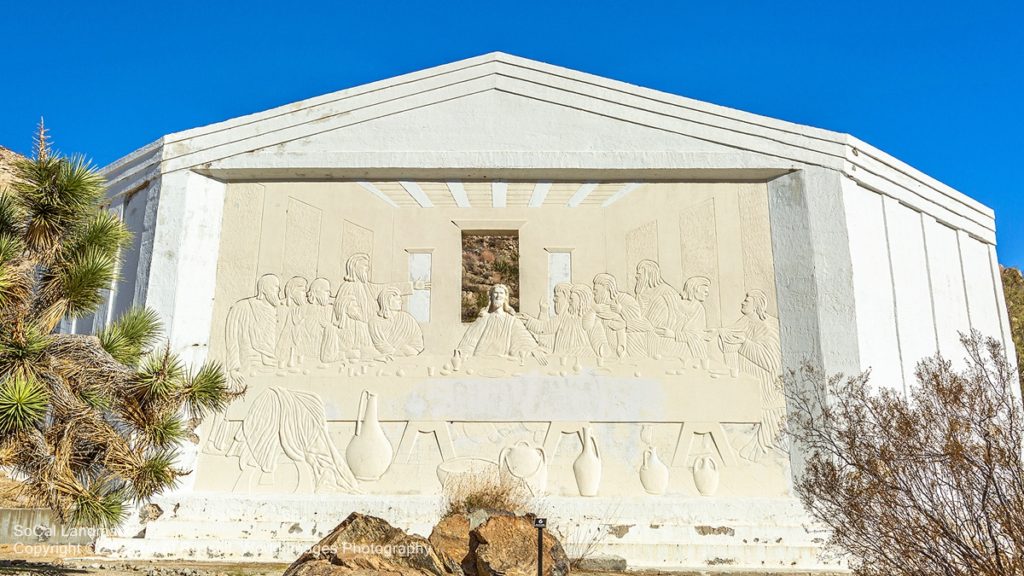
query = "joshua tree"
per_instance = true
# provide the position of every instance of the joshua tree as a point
(89, 424)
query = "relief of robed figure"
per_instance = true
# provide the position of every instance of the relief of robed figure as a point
(619, 314)
(691, 327)
(660, 303)
(755, 340)
(393, 331)
(498, 332)
(577, 331)
(293, 337)
(251, 331)
(290, 425)
(354, 307)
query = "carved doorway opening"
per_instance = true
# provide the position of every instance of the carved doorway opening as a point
(489, 258)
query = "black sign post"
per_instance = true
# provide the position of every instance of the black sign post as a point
(540, 524)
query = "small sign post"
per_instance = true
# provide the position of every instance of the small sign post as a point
(540, 524)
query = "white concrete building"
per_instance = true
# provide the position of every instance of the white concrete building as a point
(674, 256)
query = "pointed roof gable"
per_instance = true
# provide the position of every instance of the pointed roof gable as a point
(501, 116)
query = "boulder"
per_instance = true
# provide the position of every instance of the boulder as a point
(450, 538)
(364, 545)
(507, 546)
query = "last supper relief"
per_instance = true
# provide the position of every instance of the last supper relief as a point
(642, 359)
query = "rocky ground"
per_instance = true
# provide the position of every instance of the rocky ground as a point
(7, 158)
(58, 567)
(74, 560)
(488, 260)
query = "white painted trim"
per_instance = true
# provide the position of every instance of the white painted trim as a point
(499, 194)
(580, 195)
(489, 224)
(620, 194)
(417, 193)
(961, 256)
(540, 193)
(758, 140)
(458, 192)
(377, 192)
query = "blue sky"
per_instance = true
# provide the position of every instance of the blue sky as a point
(937, 84)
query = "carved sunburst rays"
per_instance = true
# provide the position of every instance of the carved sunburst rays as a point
(497, 193)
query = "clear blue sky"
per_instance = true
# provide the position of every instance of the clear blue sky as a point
(937, 84)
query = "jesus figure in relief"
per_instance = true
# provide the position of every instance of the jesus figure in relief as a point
(497, 332)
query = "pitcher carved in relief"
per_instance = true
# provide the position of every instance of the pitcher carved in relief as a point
(526, 464)
(587, 467)
(705, 475)
(369, 452)
(653, 472)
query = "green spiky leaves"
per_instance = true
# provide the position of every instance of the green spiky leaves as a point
(58, 195)
(82, 278)
(87, 263)
(166, 431)
(92, 424)
(52, 219)
(21, 348)
(104, 232)
(12, 217)
(101, 503)
(207, 391)
(131, 336)
(159, 377)
(23, 403)
(155, 474)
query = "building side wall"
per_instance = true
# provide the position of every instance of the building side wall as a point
(919, 284)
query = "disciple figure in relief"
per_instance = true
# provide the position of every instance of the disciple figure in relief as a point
(498, 332)
(560, 298)
(580, 334)
(660, 304)
(356, 303)
(394, 332)
(619, 314)
(251, 330)
(316, 319)
(755, 340)
(545, 326)
(292, 339)
(692, 328)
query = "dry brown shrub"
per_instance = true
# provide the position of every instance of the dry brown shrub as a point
(583, 540)
(927, 482)
(468, 492)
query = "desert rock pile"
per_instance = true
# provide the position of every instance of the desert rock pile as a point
(501, 545)
(488, 260)
(7, 158)
(364, 545)
(507, 545)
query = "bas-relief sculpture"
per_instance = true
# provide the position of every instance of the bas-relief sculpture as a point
(369, 452)
(358, 335)
(305, 324)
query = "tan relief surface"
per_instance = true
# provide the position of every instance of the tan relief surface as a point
(642, 358)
